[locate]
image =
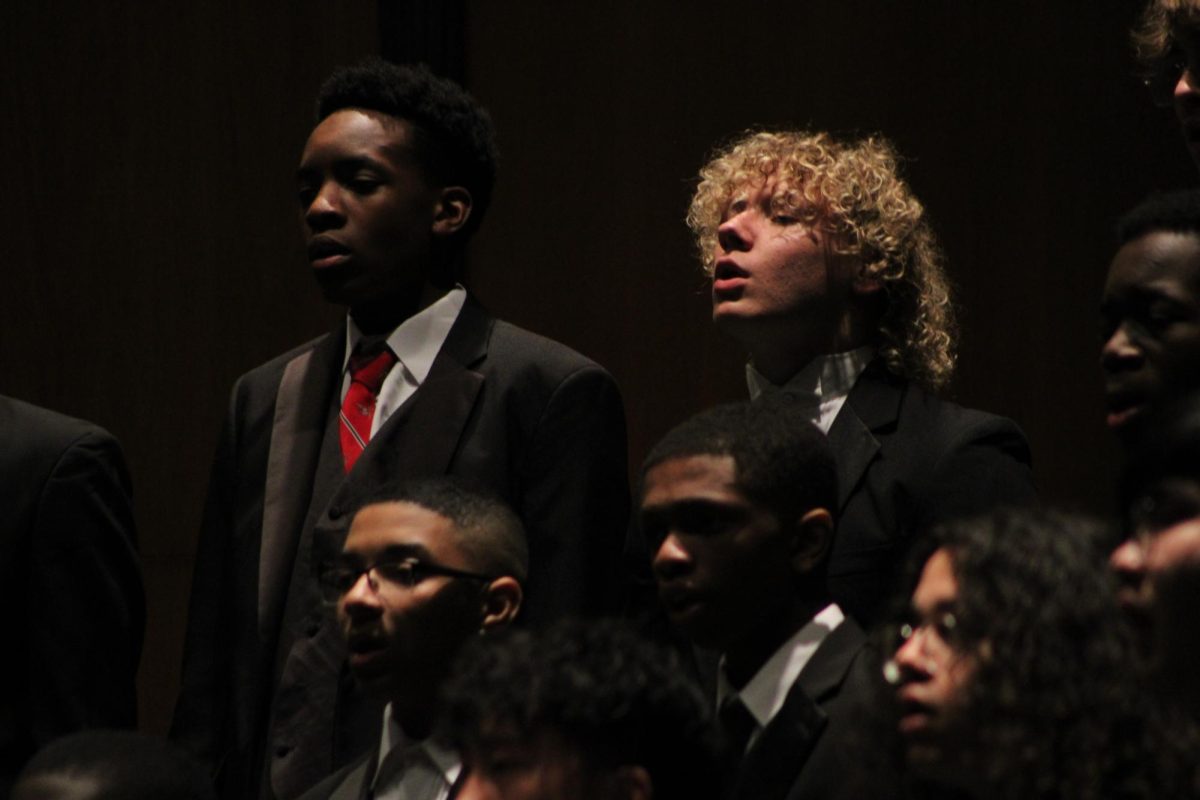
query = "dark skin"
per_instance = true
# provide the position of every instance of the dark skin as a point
(732, 575)
(380, 233)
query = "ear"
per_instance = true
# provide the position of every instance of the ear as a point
(501, 603)
(633, 783)
(812, 539)
(866, 282)
(452, 210)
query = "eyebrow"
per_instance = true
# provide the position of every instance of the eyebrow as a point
(395, 552)
(348, 163)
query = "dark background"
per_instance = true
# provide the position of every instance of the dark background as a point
(151, 246)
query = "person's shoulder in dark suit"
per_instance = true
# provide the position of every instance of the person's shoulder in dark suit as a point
(71, 596)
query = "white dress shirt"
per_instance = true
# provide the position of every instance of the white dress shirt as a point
(765, 693)
(821, 387)
(416, 343)
(422, 770)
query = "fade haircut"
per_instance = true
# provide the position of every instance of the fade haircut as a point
(453, 138)
(114, 764)
(852, 192)
(487, 530)
(610, 696)
(781, 461)
(1157, 46)
(1174, 212)
(1055, 692)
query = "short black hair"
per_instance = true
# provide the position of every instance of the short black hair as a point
(782, 460)
(453, 137)
(1175, 212)
(488, 530)
(599, 688)
(121, 764)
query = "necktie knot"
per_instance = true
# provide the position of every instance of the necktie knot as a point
(371, 368)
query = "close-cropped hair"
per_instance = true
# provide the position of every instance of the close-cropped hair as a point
(1174, 212)
(781, 460)
(852, 191)
(453, 139)
(603, 691)
(1055, 701)
(1156, 43)
(487, 529)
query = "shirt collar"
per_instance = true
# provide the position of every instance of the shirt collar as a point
(765, 693)
(417, 340)
(445, 759)
(824, 378)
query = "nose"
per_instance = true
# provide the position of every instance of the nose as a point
(1120, 352)
(671, 560)
(1128, 561)
(324, 211)
(734, 234)
(476, 787)
(361, 600)
(1185, 86)
(911, 660)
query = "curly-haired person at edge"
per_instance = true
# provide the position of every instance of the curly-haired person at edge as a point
(825, 268)
(1015, 675)
(1166, 43)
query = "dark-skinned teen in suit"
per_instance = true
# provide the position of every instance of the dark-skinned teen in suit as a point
(394, 178)
(735, 507)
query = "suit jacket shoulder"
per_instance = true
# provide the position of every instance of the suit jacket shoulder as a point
(907, 460)
(69, 577)
(829, 739)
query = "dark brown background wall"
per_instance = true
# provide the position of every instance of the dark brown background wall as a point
(152, 254)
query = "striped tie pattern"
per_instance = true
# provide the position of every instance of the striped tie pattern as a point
(367, 373)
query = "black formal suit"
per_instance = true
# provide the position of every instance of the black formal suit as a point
(522, 415)
(907, 460)
(829, 739)
(71, 600)
(353, 781)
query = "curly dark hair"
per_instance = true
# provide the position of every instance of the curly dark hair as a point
(1055, 701)
(453, 137)
(611, 696)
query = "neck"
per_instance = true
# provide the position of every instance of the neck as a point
(778, 357)
(746, 657)
(381, 316)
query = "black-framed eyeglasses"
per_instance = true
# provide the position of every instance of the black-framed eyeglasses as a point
(338, 577)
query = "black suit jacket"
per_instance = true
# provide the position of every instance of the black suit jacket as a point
(71, 600)
(524, 416)
(353, 781)
(907, 460)
(825, 741)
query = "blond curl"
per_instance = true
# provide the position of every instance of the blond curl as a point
(853, 192)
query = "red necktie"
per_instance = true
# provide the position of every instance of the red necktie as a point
(367, 372)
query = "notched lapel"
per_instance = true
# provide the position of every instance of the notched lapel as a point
(872, 407)
(782, 749)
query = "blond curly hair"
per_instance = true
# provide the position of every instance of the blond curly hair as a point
(1156, 45)
(851, 191)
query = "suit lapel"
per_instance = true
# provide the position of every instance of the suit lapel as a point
(781, 750)
(872, 406)
(301, 409)
(421, 437)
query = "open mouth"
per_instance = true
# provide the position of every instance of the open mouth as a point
(728, 278)
(1122, 407)
(325, 252)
